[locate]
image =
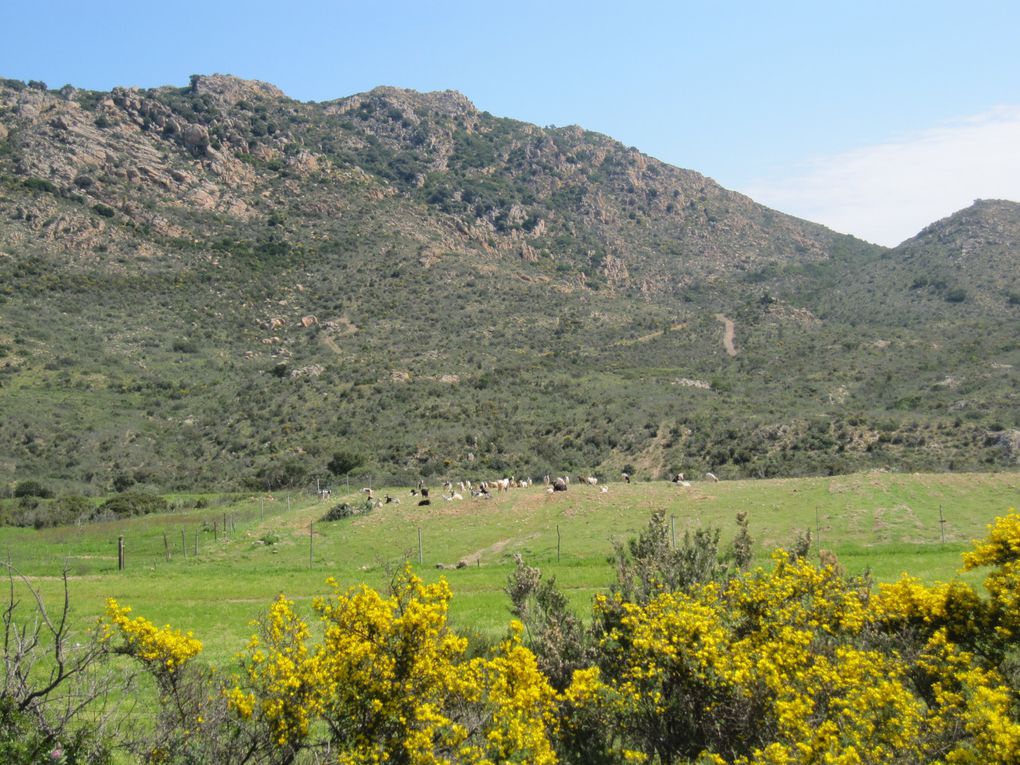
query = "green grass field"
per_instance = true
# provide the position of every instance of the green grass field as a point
(883, 522)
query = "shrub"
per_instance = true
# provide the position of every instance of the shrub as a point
(343, 462)
(130, 504)
(40, 184)
(32, 489)
(339, 512)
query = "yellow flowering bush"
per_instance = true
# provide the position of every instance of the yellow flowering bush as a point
(389, 682)
(164, 649)
(1001, 549)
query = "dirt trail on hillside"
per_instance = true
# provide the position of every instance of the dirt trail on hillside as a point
(330, 343)
(727, 335)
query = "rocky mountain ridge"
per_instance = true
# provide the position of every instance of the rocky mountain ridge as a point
(220, 279)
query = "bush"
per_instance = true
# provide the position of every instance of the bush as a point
(344, 462)
(339, 512)
(32, 489)
(40, 184)
(130, 504)
(105, 210)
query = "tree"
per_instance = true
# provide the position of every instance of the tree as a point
(344, 462)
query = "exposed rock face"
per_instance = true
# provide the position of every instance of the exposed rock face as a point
(1010, 443)
(196, 138)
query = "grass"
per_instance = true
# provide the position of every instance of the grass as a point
(880, 522)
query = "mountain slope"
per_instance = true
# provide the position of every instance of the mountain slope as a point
(220, 285)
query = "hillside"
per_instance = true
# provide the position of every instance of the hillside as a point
(217, 285)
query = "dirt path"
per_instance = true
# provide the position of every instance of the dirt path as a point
(651, 335)
(330, 343)
(727, 335)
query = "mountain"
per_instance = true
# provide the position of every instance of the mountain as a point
(218, 285)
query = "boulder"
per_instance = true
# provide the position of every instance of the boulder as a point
(196, 139)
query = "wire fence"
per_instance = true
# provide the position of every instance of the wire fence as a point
(181, 537)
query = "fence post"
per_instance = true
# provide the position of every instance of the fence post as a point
(421, 557)
(557, 543)
(942, 525)
(166, 546)
(262, 509)
(184, 544)
(818, 534)
(215, 532)
(672, 530)
(120, 553)
(310, 537)
(196, 541)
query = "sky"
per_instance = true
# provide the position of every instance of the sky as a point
(873, 118)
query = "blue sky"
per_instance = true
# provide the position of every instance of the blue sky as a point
(874, 118)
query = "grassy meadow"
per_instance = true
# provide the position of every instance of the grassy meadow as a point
(883, 522)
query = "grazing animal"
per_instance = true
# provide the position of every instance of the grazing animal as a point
(425, 491)
(367, 490)
(678, 478)
(591, 480)
(604, 489)
(423, 502)
(549, 490)
(626, 477)
(560, 484)
(324, 494)
(712, 477)
(392, 500)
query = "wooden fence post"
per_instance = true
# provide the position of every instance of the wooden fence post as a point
(120, 553)
(166, 546)
(557, 543)
(421, 556)
(184, 544)
(818, 534)
(310, 537)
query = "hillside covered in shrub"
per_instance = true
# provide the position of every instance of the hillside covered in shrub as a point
(219, 286)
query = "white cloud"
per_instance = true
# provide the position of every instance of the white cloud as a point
(888, 192)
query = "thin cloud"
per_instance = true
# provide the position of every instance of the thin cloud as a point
(888, 192)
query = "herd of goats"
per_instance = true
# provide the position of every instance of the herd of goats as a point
(485, 489)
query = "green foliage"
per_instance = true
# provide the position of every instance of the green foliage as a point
(132, 504)
(340, 511)
(40, 184)
(649, 564)
(32, 489)
(558, 638)
(344, 461)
